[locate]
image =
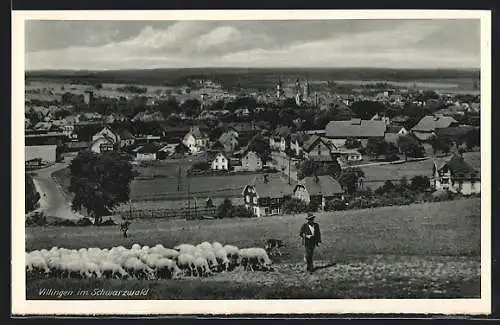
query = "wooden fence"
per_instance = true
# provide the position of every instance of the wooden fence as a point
(188, 213)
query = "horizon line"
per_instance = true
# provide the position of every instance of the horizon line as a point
(243, 67)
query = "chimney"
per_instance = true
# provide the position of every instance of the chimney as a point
(266, 179)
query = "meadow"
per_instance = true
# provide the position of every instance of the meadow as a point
(375, 176)
(420, 250)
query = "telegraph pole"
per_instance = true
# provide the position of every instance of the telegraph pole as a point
(289, 171)
(189, 195)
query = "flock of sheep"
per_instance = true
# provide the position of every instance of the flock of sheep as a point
(145, 262)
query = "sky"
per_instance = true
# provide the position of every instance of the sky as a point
(113, 45)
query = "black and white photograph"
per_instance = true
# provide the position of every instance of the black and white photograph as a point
(274, 159)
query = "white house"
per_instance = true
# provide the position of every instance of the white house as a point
(196, 140)
(251, 161)
(457, 175)
(220, 162)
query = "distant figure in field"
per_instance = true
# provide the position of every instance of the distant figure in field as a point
(124, 228)
(311, 237)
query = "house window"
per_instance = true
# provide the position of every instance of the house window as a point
(247, 198)
(254, 200)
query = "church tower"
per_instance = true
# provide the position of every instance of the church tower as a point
(279, 89)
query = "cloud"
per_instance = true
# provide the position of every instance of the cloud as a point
(426, 43)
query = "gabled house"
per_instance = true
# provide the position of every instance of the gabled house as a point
(316, 146)
(251, 161)
(219, 161)
(107, 133)
(317, 190)
(265, 195)
(458, 173)
(362, 130)
(196, 140)
(297, 140)
(149, 151)
(427, 126)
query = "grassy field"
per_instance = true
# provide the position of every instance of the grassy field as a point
(421, 250)
(375, 176)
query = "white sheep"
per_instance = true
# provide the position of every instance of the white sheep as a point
(167, 268)
(254, 257)
(201, 266)
(186, 261)
(216, 246)
(112, 270)
(222, 259)
(135, 267)
(165, 252)
(185, 248)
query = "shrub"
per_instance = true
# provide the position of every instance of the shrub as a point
(359, 203)
(420, 183)
(83, 222)
(335, 205)
(241, 212)
(224, 209)
(391, 157)
(295, 205)
(108, 222)
(63, 222)
(37, 219)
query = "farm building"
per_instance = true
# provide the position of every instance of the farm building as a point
(251, 161)
(316, 146)
(219, 162)
(363, 130)
(297, 140)
(458, 173)
(348, 155)
(266, 194)
(196, 140)
(44, 153)
(427, 126)
(317, 190)
(149, 151)
(103, 144)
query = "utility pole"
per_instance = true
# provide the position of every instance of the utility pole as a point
(289, 171)
(189, 195)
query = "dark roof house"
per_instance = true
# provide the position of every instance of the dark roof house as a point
(324, 185)
(356, 128)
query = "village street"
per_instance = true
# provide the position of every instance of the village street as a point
(52, 200)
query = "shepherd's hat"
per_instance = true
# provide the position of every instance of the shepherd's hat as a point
(310, 216)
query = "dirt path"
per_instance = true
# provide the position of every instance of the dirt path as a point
(52, 200)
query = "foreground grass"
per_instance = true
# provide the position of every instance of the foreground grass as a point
(429, 250)
(429, 229)
(375, 277)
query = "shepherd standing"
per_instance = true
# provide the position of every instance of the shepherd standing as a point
(311, 237)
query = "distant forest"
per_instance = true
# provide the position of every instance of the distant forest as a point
(244, 77)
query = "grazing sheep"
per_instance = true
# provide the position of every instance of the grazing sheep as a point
(222, 259)
(165, 252)
(136, 246)
(186, 262)
(201, 267)
(112, 270)
(216, 246)
(185, 248)
(136, 268)
(166, 268)
(254, 258)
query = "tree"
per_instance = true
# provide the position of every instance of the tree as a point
(191, 107)
(440, 143)
(31, 195)
(410, 147)
(366, 109)
(295, 205)
(181, 148)
(259, 145)
(169, 106)
(224, 210)
(349, 178)
(376, 147)
(420, 183)
(308, 168)
(100, 182)
(352, 143)
(62, 114)
(473, 139)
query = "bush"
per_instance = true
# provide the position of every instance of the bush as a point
(63, 222)
(108, 222)
(295, 205)
(335, 205)
(420, 183)
(224, 209)
(37, 219)
(359, 203)
(83, 222)
(241, 212)
(391, 157)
